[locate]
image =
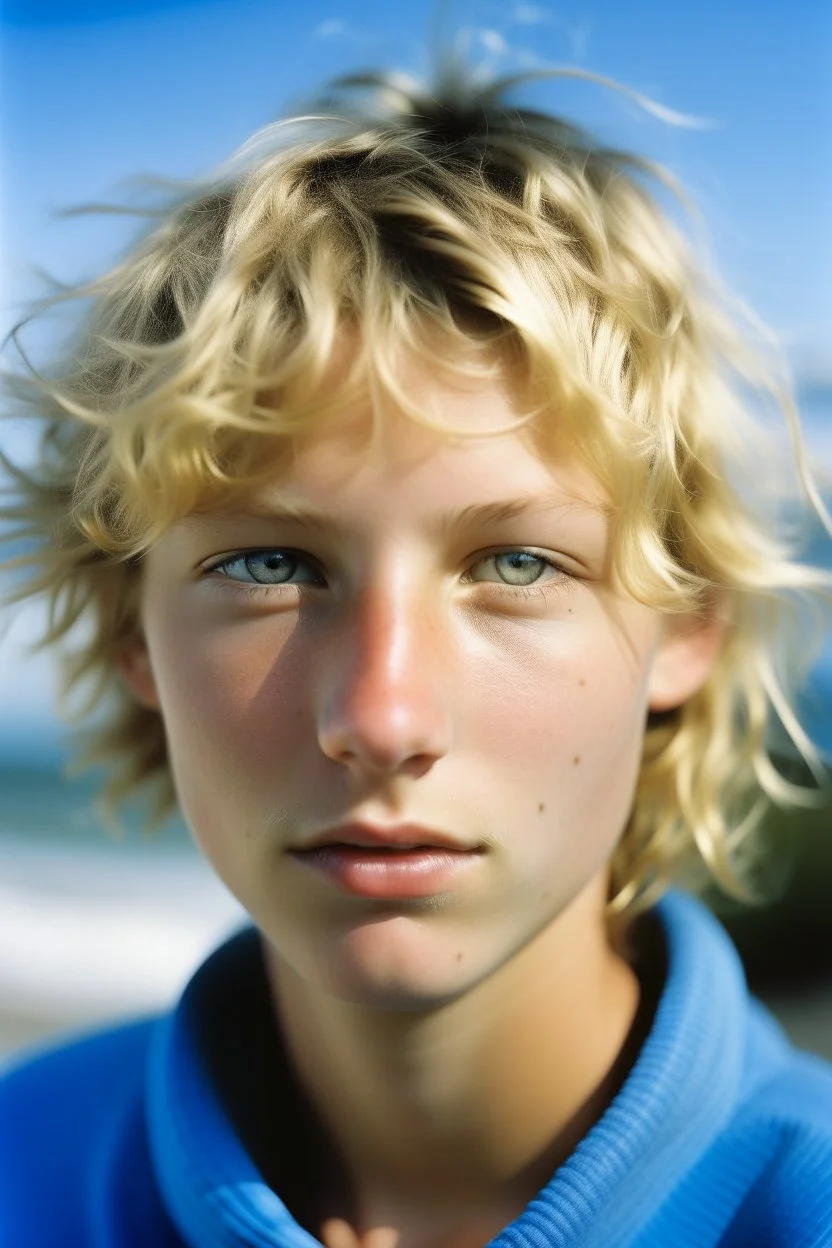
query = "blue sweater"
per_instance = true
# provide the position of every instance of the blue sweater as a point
(721, 1133)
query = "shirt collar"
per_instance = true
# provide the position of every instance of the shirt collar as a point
(676, 1098)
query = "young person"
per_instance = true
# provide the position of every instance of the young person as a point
(401, 477)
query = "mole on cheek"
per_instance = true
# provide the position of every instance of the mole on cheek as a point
(576, 760)
(541, 806)
(582, 683)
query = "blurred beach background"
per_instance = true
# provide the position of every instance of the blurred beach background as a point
(93, 92)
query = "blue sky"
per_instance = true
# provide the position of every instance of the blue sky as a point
(97, 90)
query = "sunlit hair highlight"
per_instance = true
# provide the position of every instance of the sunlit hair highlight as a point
(492, 241)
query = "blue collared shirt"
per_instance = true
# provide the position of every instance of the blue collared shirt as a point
(719, 1137)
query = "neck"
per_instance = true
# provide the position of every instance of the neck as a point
(473, 1104)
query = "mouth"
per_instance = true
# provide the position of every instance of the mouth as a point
(394, 838)
(395, 864)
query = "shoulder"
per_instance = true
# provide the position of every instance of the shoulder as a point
(762, 1107)
(71, 1127)
(798, 1102)
(789, 1091)
(65, 1086)
(786, 1124)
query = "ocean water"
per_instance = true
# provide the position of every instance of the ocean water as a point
(93, 928)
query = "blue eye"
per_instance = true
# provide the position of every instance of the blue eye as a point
(265, 567)
(519, 568)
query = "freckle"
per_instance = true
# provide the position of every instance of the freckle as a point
(541, 807)
(576, 760)
(459, 957)
(582, 682)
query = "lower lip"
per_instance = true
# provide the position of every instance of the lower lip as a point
(392, 875)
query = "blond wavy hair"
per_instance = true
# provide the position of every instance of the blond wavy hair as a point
(403, 211)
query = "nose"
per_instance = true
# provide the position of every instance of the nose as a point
(384, 705)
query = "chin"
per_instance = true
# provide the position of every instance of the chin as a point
(393, 997)
(394, 962)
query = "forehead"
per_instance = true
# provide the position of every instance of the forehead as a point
(369, 447)
(387, 433)
(410, 462)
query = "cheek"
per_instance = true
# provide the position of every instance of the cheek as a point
(564, 731)
(565, 706)
(233, 711)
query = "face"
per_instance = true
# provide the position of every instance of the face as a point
(424, 633)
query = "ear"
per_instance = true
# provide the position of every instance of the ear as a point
(133, 665)
(685, 657)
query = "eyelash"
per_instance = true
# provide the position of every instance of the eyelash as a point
(565, 580)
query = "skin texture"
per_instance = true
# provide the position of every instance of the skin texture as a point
(456, 1048)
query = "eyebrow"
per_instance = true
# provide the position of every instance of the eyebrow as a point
(476, 515)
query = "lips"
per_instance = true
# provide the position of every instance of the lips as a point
(394, 837)
(401, 862)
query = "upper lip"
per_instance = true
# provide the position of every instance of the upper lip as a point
(388, 836)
